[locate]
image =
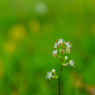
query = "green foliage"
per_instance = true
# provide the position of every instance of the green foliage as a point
(26, 37)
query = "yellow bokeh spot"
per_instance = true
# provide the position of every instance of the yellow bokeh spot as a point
(17, 32)
(34, 26)
(9, 47)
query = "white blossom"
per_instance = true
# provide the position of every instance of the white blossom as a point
(68, 50)
(49, 75)
(68, 44)
(60, 41)
(55, 45)
(54, 53)
(71, 62)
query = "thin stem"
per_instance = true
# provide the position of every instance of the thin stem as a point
(59, 86)
(59, 77)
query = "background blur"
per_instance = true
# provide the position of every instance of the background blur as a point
(28, 29)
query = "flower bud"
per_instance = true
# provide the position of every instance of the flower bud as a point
(66, 57)
(53, 70)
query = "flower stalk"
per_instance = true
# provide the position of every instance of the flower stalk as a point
(59, 78)
(60, 48)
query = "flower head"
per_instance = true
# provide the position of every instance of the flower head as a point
(55, 45)
(54, 53)
(71, 62)
(68, 50)
(61, 47)
(60, 41)
(68, 44)
(49, 75)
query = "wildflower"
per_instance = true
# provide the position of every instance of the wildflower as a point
(68, 50)
(66, 57)
(60, 41)
(71, 62)
(49, 75)
(55, 45)
(68, 44)
(53, 70)
(60, 48)
(54, 53)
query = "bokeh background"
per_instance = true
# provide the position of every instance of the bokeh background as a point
(28, 29)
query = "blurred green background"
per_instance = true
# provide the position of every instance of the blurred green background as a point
(28, 29)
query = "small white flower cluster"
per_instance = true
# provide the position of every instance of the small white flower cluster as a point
(68, 46)
(54, 53)
(71, 62)
(51, 74)
(64, 47)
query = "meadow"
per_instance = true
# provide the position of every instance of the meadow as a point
(28, 29)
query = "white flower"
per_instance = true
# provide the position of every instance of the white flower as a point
(66, 64)
(68, 44)
(60, 41)
(53, 70)
(66, 57)
(55, 45)
(68, 50)
(71, 62)
(54, 53)
(49, 75)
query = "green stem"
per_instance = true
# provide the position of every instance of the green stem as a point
(59, 77)
(59, 85)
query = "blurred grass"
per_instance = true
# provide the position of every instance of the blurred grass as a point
(28, 29)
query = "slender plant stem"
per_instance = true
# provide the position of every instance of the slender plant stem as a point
(59, 78)
(59, 86)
